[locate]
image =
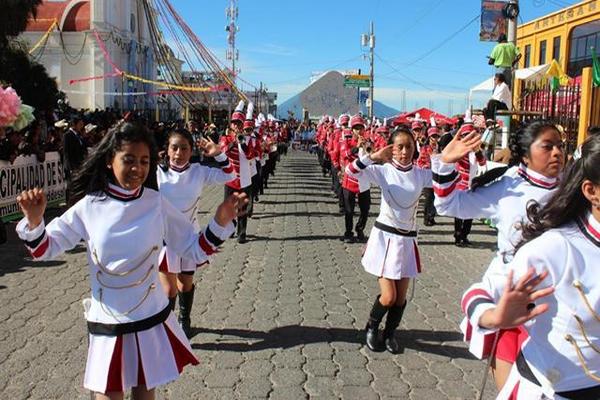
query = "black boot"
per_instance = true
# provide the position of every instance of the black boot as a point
(391, 324)
(186, 300)
(372, 330)
(172, 301)
(360, 236)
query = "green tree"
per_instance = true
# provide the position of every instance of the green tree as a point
(14, 17)
(29, 79)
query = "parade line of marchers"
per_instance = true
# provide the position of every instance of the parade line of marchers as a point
(533, 312)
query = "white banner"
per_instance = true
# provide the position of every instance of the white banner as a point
(27, 173)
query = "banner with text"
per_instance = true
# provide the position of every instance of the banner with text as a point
(27, 173)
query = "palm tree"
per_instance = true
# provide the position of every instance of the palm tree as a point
(14, 17)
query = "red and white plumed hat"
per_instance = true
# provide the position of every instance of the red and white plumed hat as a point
(383, 128)
(238, 114)
(249, 122)
(357, 120)
(468, 125)
(344, 119)
(433, 129)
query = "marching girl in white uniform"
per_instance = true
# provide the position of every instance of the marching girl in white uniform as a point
(182, 184)
(134, 340)
(392, 254)
(538, 155)
(553, 289)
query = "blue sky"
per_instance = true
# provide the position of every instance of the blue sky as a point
(282, 43)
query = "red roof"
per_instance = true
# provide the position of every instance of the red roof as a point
(76, 19)
(424, 114)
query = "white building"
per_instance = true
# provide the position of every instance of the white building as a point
(74, 54)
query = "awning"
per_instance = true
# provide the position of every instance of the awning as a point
(524, 74)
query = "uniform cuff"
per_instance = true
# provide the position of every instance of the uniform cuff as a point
(221, 157)
(440, 167)
(222, 232)
(476, 316)
(30, 235)
(366, 160)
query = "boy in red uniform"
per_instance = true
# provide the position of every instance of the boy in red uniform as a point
(351, 188)
(234, 145)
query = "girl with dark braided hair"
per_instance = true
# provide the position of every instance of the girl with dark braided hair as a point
(552, 286)
(537, 161)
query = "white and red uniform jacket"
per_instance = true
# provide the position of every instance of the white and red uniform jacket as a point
(183, 188)
(504, 202)
(562, 340)
(124, 231)
(239, 159)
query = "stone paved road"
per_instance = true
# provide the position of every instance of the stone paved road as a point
(278, 318)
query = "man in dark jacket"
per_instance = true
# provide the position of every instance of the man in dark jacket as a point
(74, 147)
(75, 151)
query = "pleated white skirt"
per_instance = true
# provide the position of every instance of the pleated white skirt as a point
(172, 263)
(391, 256)
(152, 357)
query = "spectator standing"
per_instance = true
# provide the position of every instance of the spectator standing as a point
(504, 57)
(75, 150)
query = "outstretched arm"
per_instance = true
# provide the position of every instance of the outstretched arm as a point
(186, 242)
(62, 234)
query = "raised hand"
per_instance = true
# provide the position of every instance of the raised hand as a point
(383, 155)
(460, 147)
(33, 204)
(208, 147)
(231, 208)
(516, 306)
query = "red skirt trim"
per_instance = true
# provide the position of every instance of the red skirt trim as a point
(114, 382)
(182, 355)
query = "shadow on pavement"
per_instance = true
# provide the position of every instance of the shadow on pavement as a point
(15, 258)
(241, 340)
(492, 246)
(256, 238)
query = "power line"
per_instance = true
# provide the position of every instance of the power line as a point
(420, 18)
(444, 42)
(397, 71)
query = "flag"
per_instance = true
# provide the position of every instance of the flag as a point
(557, 76)
(595, 68)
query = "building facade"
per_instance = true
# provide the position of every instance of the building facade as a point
(567, 36)
(70, 51)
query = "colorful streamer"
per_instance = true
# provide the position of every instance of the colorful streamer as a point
(44, 37)
(94, 78)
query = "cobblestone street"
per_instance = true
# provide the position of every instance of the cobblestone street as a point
(281, 317)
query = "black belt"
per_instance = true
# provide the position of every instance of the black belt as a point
(98, 328)
(579, 394)
(395, 231)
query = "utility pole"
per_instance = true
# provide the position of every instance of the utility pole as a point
(368, 39)
(372, 86)
(512, 23)
(511, 11)
(232, 13)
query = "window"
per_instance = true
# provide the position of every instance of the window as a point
(556, 48)
(527, 57)
(542, 59)
(583, 38)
